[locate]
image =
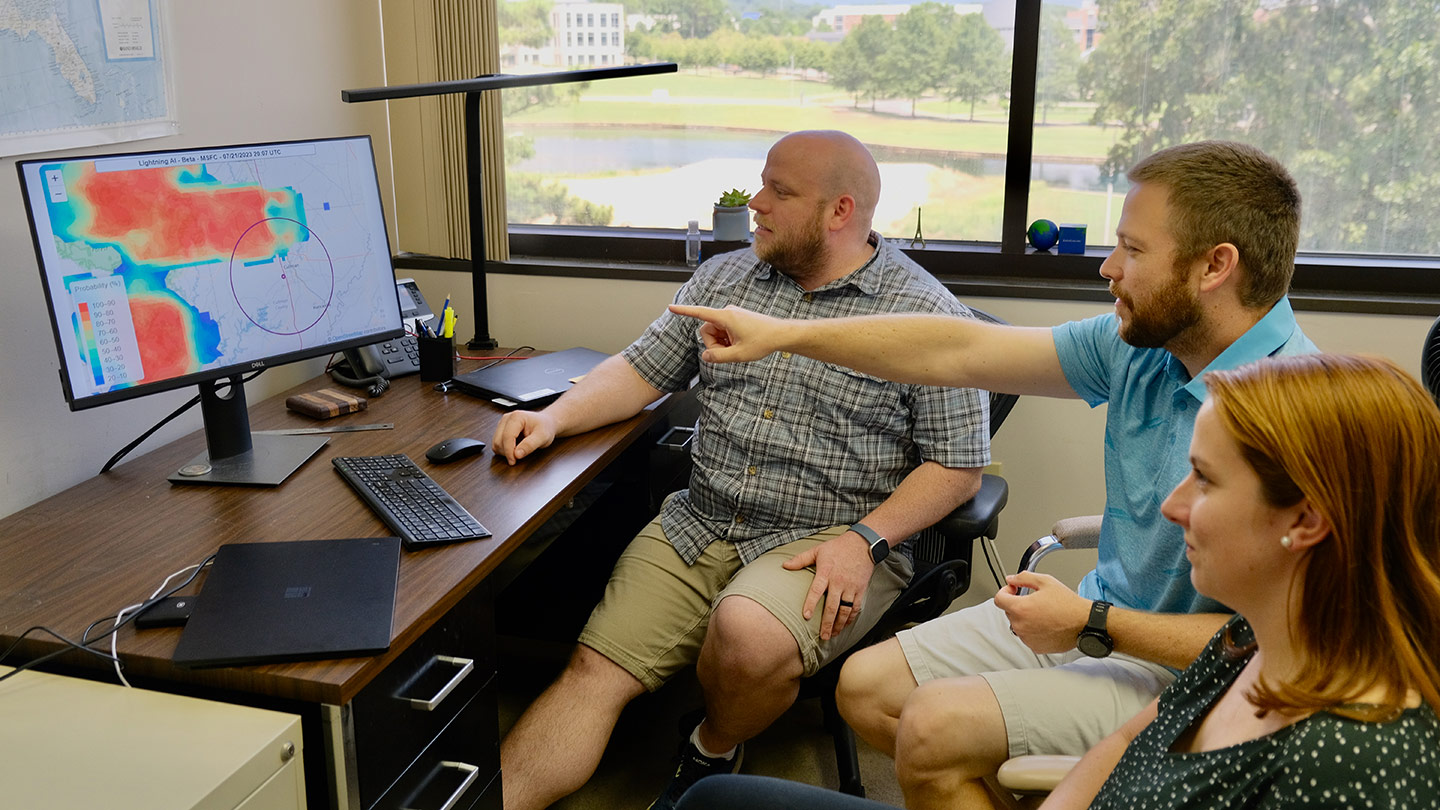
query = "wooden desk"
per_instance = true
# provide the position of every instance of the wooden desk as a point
(110, 541)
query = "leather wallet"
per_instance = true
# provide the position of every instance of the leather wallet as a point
(325, 403)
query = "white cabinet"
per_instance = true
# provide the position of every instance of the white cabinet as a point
(74, 743)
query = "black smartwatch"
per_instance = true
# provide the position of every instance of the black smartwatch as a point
(1093, 640)
(879, 546)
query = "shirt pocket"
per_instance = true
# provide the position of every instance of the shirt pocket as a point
(853, 404)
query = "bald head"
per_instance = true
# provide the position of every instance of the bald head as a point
(839, 165)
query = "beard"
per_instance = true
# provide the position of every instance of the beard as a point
(800, 254)
(1165, 316)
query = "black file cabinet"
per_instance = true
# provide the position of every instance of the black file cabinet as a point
(424, 731)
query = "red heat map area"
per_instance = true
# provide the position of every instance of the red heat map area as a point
(164, 337)
(157, 220)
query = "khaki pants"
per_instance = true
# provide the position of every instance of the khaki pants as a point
(656, 609)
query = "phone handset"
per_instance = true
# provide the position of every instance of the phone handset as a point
(362, 367)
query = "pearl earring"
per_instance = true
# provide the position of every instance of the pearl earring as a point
(1285, 540)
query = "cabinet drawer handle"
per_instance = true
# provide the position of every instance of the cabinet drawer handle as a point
(470, 771)
(466, 666)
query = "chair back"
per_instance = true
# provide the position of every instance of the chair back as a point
(1430, 361)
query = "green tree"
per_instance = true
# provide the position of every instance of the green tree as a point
(1346, 93)
(531, 198)
(920, 59)
(1058, 62)
(978, 54)
(526, 22)
(853, 63)
(697, 18)
(762, 54)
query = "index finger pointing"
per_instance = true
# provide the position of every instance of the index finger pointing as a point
(689, 311)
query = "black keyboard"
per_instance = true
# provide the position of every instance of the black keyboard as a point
(408, 500)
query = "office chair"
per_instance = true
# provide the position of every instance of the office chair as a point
(942, 573)
(1430, 361)
(1038, 774)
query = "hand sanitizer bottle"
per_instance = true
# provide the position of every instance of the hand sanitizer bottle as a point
(692, 244)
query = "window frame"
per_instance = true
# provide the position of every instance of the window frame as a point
(1385, 284)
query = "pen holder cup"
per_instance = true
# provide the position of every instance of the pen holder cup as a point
(437, 358)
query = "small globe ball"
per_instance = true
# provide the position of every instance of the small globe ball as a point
(1043, 234)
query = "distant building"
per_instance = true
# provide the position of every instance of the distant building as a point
(586, 35)
(842, 19)
(1084, 23)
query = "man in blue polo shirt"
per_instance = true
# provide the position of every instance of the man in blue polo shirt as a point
(1204, 256)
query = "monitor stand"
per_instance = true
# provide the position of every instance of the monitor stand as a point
(234, 456)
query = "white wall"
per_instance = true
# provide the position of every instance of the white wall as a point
(1050, 450)
(252, 71)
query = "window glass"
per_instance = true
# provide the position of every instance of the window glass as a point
(924, 85)
(1343, 92)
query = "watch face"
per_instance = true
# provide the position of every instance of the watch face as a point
(879, 551)
(1093, 645)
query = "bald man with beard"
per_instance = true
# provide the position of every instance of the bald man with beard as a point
(777, 558)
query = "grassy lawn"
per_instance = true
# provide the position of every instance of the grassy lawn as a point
(779, 108)
(962, 206)
(877, 128)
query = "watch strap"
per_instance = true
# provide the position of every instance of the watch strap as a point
(1094, 639)
(879, 546)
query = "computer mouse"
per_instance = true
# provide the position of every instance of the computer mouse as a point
(454, 450)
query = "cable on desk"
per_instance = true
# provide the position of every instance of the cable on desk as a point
(121, 620)
(138, 608)
(125, 451)
(498, 360)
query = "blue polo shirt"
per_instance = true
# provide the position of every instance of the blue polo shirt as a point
(1148, 425)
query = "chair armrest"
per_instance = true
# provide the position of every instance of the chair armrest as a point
(979, 516)
(1034, 774)
(1075, 532)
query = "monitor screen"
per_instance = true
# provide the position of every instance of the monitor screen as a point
(165, 269)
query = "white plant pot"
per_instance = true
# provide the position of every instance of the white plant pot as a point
(732, 223)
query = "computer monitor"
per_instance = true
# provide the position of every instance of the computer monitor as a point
(194, 266)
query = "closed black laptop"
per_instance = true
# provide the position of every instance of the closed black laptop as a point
(293, 601)
(531, 381)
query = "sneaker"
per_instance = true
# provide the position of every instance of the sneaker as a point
(693, 767)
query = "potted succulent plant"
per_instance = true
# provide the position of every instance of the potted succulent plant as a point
(732, 217)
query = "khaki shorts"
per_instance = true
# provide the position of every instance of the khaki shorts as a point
(656, 609)
(1063, 703)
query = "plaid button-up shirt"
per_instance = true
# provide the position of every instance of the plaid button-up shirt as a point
(786, 445)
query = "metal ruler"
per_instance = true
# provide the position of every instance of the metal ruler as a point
(328, 429)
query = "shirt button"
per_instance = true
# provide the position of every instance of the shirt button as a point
(807, 297)
(739, 518)
(769, 414)
(751, 470)
(785, 355)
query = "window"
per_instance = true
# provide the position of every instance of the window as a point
(590, 20)
(591, 39)
(654, 152)
(1327, 88)
(1342, 92)
(615, 20)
